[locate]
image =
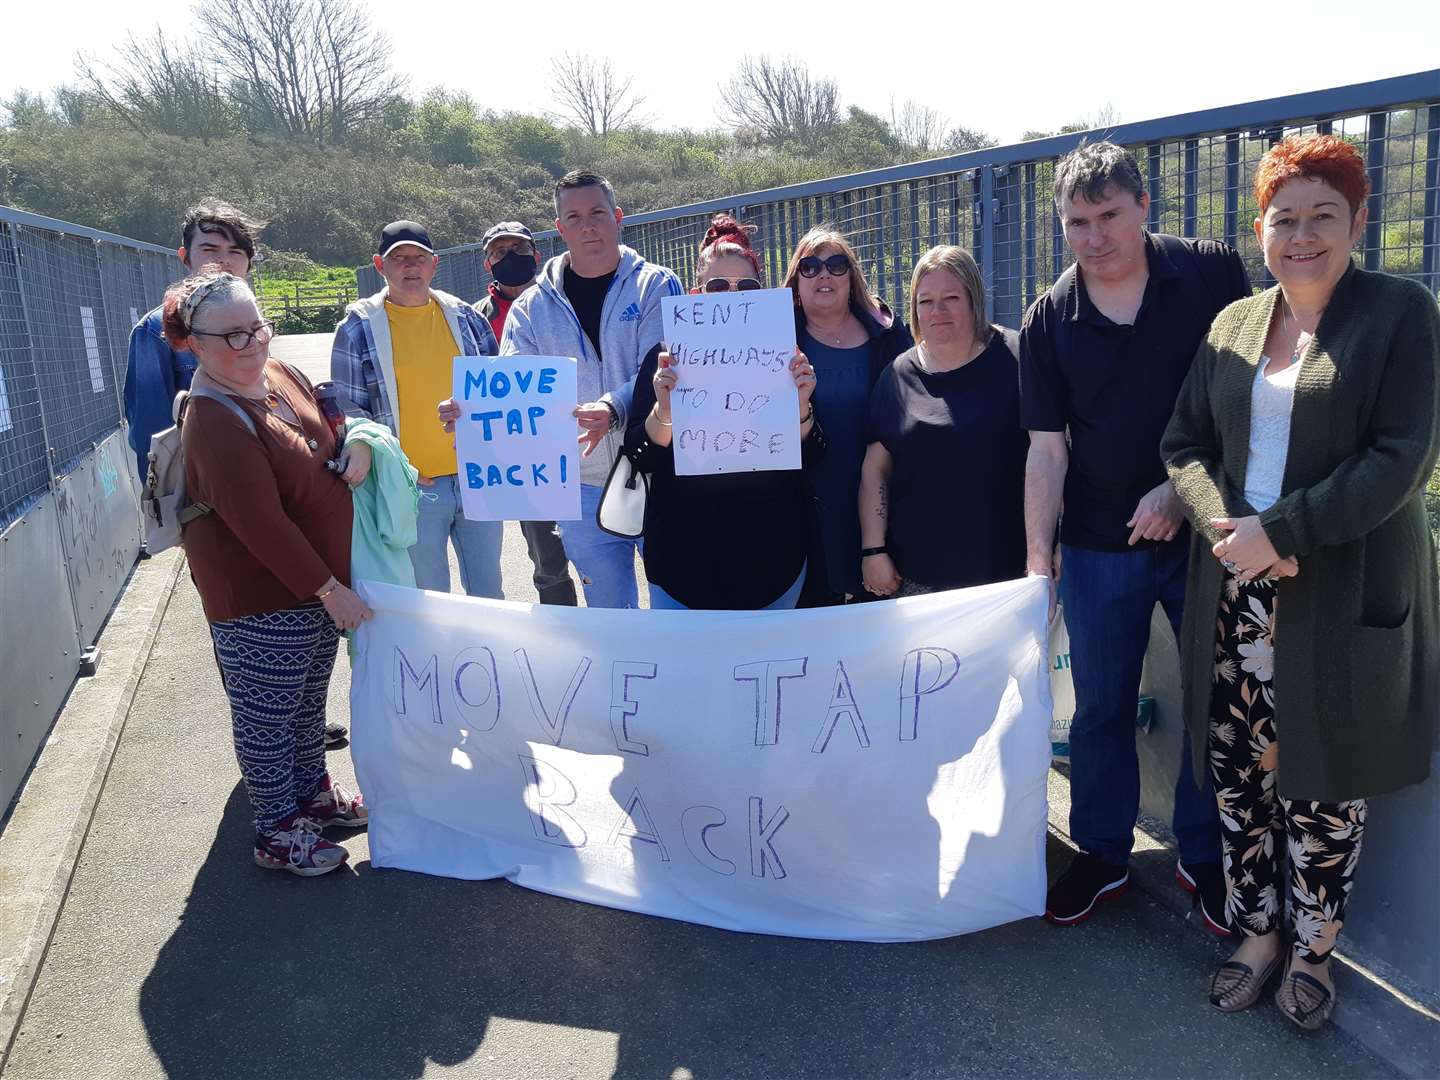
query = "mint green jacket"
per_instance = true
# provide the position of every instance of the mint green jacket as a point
(386, 508)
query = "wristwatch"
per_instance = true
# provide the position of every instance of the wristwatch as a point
(865, 553)
(614, 416)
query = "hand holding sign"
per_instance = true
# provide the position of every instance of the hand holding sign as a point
(734, 402)
(514, 439)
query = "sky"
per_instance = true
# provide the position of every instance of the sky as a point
(982, 65)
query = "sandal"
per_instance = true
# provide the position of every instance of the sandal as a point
(1236, 986)
(1304, 1000)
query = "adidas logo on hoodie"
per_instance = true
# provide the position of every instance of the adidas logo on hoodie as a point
(631, 313)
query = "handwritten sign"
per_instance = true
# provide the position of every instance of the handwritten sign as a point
(735, 407)
(515, 439)
(872, 772)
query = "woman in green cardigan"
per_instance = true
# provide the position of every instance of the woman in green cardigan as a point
(1300, 447)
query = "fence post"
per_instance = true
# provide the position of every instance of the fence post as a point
(1232, 186)
(1375, 162)
(985, 224)
(1430, 256)
(30, 324)
(1189, 185)
(1155, 191)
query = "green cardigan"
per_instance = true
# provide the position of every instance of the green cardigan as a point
(1357, 659)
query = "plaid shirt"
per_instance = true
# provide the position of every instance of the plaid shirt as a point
(354, 363)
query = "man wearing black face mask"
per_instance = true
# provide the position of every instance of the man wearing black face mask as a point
(513, 261)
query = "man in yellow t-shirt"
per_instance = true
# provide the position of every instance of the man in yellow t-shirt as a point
(392, 362)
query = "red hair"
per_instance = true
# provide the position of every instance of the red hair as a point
(177, 314)
(1313, 157)
(726, 236)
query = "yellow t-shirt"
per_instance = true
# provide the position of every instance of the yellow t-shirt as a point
(424, 353)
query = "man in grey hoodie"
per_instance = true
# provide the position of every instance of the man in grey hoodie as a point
(600, 303)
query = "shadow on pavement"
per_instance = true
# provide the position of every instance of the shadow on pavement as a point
(365, 973)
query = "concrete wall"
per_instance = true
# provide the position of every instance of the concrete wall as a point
(63, 564)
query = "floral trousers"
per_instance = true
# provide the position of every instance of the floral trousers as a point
(1260, 830)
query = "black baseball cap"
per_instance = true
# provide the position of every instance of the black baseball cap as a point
(403, 232)
(505, 228)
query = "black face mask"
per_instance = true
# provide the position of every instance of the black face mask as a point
(515, 269)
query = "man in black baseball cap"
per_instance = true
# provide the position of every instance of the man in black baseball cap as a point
(403, 232)
(514, 262)
(392, 362)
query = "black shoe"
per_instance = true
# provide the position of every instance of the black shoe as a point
(335, 734)
(1086, 881)
(1206, 882)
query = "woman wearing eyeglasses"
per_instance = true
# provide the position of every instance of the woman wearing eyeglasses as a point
(850, 337)
(734, 541)
(270, 560)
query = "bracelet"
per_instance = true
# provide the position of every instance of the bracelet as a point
(664, 423)
(808, 416)
(865, 553)
(326, 592)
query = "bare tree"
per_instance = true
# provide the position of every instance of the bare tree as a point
(156, 84)
(592, 94)
(310, 69)
(780, 99)
(1104, 118)
(921, 128)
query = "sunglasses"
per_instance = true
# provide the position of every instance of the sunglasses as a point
(721, 284)
(835, 266)
(241, 339)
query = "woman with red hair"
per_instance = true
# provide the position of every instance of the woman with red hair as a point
(1300, 447)
(734, 541)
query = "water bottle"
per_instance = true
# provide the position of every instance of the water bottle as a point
(328, 398)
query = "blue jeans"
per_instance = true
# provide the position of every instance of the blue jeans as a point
(661, 600)
(477, 543)
(606, 563)
(1109, 598)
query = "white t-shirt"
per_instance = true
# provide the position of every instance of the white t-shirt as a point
(1271, 398)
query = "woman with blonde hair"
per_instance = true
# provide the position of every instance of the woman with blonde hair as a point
(1300, 447)
(850, 336)
(943, 482)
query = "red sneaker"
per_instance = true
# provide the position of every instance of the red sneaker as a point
(299, 849)
(333, 805)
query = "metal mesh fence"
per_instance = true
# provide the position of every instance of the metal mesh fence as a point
(68, 298)
(998, 202)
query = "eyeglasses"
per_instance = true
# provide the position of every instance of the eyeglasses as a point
(722, 284)
(835, 265)
(241, 339)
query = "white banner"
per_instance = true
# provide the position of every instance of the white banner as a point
(874, 772)
(515, 446)
(735, 407)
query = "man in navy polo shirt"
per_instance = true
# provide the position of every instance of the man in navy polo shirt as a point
(1102, 358)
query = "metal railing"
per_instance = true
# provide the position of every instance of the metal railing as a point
(997, 201)
(68, 298)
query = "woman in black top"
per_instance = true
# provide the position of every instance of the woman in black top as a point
(943, 483)
(736, 541)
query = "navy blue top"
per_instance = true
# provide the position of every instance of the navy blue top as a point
(1113, 387)
(842, 401)
(957, 466)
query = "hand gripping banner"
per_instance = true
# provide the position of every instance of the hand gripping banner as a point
(874, 772)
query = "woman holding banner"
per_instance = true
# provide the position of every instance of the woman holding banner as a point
(1300, 447)
(270, 557)
(851, 337)
(732, 541)
(931, 515)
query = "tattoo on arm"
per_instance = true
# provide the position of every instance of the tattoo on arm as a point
(882, 504)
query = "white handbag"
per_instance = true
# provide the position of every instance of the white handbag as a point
(622, 504)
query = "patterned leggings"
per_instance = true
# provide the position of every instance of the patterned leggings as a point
(1322, 839)
(276, 671)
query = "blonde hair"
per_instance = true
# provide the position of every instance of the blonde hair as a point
(960, 263)
(829, 236)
